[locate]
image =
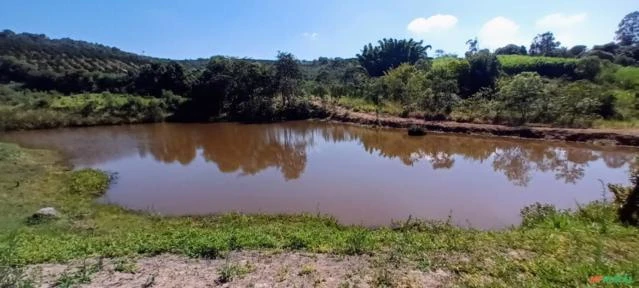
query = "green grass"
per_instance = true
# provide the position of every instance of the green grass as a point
(100, 101)
(627, 77)
(23, 110)
(125, 265)
(553, 248)
(616, 124)
(363, 105)
(82, 275)
(625, 103)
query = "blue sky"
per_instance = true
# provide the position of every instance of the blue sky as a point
(308, 28)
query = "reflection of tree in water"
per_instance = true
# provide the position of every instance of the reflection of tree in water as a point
(246, 148)
(254, 148)
(516, 159)
(616, 159)
(169, 145)
(251, 149)
(513, 163)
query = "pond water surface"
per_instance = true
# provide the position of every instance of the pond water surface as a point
(358, 175)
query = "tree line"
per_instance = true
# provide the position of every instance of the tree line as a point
(546, 83)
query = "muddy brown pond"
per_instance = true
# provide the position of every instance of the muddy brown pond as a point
(358, 175)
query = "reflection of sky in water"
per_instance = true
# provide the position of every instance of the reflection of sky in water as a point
(361, 176)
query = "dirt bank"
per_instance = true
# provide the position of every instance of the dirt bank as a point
(624, 137)
(239, 269)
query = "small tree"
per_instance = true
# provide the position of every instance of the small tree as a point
(544, 44)
(442, 92)
(521, 94)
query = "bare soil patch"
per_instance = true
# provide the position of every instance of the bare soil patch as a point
(246, 269)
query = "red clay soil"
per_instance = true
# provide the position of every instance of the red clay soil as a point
(624, 137)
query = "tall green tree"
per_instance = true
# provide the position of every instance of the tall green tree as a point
(155, 77)
(544, 44)
(483, 72)
(628, 31)
(287, 75)
(236, 87)
(390, 53)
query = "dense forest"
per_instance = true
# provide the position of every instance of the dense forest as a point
(62, 82)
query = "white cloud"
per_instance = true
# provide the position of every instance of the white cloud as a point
(310, 35)
(435, 23)
(568, 29)
(560, 21)
(498, 32)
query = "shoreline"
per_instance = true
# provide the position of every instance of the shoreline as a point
(628, 137)
(603, 137)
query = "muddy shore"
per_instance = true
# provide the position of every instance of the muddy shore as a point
(619, 137)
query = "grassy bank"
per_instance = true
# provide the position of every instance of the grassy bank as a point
(24, 109)
(551, 249)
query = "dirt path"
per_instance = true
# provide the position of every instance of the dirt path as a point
(625, 137)
(239, 269)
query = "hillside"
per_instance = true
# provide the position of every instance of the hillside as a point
(62, 55)
(41, 53)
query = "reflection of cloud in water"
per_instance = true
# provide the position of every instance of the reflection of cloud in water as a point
(250, 149)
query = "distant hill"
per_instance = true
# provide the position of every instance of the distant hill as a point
(66, 55)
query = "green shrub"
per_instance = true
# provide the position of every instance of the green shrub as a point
(89, 182)
(481, 107)
(536, 213)
(627, 77)
(231, 271)
(297, 242)
(357, 242)
(520, 96)
(544, 66)
(588, 68)
(580, 103)
(404, 84)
